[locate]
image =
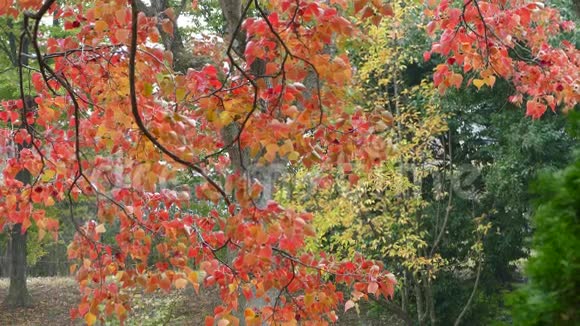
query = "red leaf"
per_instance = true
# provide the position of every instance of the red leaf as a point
(386, 10)
(359, 5)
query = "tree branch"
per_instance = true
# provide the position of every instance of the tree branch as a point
(137, 115)
(448, 210)
(468, 303)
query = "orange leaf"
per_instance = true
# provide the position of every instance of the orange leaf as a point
(180, 283)
(167, 26)
(120, 310)
(90, 318)
(170, 13)
(122, 35)
(456, 80)
(101, 26)
(490, 81)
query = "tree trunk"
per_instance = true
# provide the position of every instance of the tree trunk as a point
(5, 259)
(429, 300)
(418, 300)
(18, 295)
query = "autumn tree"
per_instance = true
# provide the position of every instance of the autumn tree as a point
(118, 118)
(125, 102)
(511, 41)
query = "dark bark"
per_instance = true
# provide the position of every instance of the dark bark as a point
(18, 295)
(183, 57)
(5, 258)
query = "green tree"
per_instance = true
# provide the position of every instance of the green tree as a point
(550, 297)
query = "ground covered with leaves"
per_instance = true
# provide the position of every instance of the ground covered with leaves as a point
(54, 297)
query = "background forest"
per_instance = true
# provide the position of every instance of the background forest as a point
(475, 210)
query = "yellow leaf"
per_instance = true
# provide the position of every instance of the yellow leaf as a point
(48, 175)
(90, 318)
(294, 156)
(102, 130)
(225, 118)
(180, 94)
(478, 83)
(193, 278)
(308, 299)
(147, 89)
(41, 234)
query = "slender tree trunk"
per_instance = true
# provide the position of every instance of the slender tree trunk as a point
(468, 303)
(18, 295)
(429, 301)
(405, 293)
(419, 300)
